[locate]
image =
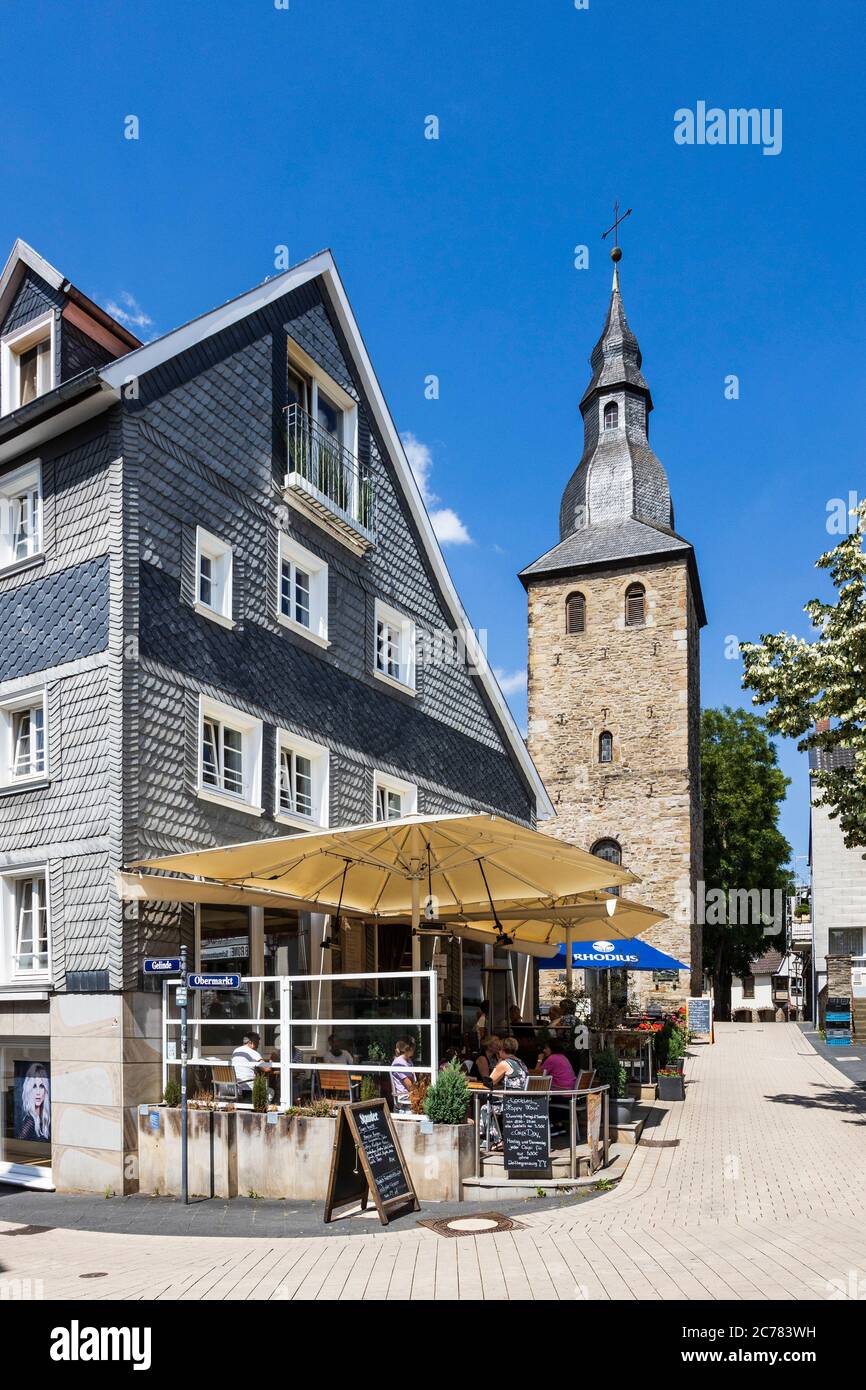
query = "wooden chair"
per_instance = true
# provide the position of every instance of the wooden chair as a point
(336, 1085)
(541, 1082)
(225, 1083)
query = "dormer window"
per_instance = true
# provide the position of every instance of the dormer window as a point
(27, 363)
(611, 415)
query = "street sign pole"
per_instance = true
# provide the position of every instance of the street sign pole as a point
(184, 1156)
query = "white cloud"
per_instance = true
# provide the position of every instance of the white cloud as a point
(449, 528)
(129, 311)
(510, 681)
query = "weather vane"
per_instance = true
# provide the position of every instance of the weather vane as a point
(616, 253)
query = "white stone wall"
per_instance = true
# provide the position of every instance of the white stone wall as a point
(838, 884)
(763, 996)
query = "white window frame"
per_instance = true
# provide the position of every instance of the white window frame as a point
(26, 479)
(405, 628)
(320, 774)
(12, 345)
(306, 366)
(9, 707)
(408, 791)
(220, 553)
(298, 557)
(9, 972)
(250, 729)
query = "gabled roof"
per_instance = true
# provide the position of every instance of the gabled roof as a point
(767, 964)
(22, 258)
(323, 266)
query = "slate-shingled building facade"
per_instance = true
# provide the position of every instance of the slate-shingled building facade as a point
(219, 591)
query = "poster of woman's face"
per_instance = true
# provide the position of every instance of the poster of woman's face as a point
(32, 1082)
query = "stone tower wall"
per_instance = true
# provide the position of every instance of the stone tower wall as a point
(642, 685)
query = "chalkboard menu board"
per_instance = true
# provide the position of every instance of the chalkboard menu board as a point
(367, 1161)
(699, 1016)
(526, 1133)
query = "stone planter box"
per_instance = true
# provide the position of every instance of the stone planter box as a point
(212, 1152)
(672, 1087)
(235, 1153)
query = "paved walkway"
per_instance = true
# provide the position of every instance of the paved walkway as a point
(757, 1190)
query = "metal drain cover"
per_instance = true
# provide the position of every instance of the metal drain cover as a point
(483, 1223)
(658, 1143)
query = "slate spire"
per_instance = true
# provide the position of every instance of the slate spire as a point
(619, 478)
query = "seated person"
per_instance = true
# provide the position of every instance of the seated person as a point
(519, 1028)
(335, 1053)
(246, 1061)
(553, 1062)
(485, 1059)
(509, 1074)
(402, 1075)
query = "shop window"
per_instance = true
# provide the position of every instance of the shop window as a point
(25, 1110)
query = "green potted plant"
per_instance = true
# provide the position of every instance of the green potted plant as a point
(260, 1093)
(610, 1072)
(671, 1084)
(171, 1094)
(447, 1100)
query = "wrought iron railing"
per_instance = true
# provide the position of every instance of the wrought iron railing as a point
(328, 472)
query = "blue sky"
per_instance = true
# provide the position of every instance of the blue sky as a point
(305, 126)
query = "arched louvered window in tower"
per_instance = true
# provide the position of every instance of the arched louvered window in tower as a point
(612, 852)
(575, 614)
(605, 747)
(611, 415)
(635, 602)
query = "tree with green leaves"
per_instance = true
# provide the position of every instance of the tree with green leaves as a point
(816, 691)
(742, 788)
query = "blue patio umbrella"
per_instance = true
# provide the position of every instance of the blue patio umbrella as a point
(612, 955)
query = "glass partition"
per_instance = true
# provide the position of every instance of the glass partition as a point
(317, 1035)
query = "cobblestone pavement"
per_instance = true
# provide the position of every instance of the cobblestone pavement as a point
(754, 1188)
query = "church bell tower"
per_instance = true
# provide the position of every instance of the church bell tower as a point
(615, 612)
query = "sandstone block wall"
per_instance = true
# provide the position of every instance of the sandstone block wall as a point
(641, 684)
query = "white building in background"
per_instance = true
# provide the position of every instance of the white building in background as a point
(838, 879)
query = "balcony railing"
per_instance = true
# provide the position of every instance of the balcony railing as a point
(334, 483)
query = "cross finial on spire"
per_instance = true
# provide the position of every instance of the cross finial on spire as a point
(616, 252)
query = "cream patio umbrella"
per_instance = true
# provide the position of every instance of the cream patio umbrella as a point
(387, 868)
(536, 928)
